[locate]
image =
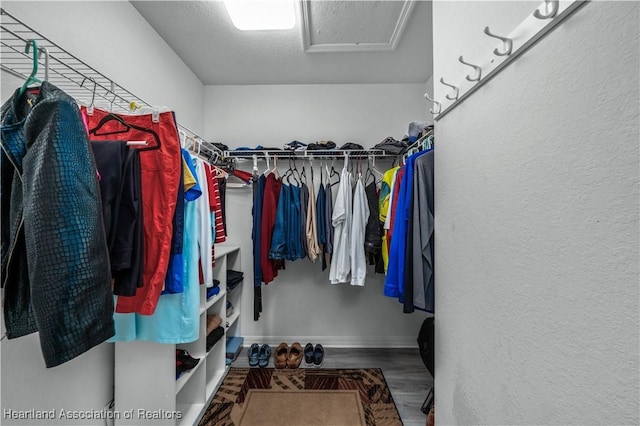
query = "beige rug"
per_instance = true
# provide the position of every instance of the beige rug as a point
(302, 397)
(276, 408)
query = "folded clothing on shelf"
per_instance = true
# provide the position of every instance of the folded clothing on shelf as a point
(212, 291)
(184, 362)
(234, 347)
(352, 146)
(392, 146)
(295, 146)
(229, 309)
(234, 278)
(213, 321)
(214, 336)
(321, 145)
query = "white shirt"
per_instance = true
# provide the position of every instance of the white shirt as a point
(204, 224)
(341, 221)
(358, 228)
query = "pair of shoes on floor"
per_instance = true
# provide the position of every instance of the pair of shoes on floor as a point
(184, 362)
(288, 356)
(313, 356)
(259, 355)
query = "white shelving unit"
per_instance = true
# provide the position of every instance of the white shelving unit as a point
(145, 372)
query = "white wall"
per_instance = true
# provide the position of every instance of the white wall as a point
(114, 39)
(537, 193)
(301, 304)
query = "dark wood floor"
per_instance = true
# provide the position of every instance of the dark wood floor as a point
(406, 375)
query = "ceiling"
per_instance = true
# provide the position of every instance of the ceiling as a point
(333, 42)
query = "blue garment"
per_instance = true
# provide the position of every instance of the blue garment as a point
(195, 191)
(295, 228)
(321, 223)
(328, 248)
(177, 316)
(394, 282)
(173, 279)
(258, 197)
(278, 247)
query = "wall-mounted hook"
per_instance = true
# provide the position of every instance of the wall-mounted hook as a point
(437, 107)
(548, 13)
(508, 43)
(476, 68)
(456, 90)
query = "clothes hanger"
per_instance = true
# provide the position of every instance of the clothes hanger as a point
(268, 170)
(32, 77)
(275, 168)
(332, 174)
(288, 173)
(255, 170)
(304, 175)
(219, 173)
(296, 174)
(373, 169)
(93, 94)
(128, 126)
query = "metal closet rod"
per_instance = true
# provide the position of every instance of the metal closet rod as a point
(66, 71)
(315, 153)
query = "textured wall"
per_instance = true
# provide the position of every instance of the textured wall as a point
(301, 304)
(537, 228)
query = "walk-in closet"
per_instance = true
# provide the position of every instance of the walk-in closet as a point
(363, 213)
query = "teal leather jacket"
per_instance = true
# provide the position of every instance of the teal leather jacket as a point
(55, 264)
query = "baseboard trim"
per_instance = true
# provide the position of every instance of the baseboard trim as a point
(338, 341)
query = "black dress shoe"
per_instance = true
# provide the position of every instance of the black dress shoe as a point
(318, 355)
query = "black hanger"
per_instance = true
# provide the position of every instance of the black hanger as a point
(127, 127)
(332, 174)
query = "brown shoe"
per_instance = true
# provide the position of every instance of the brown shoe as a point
(295, 355)
(281, 356)
(213, 322)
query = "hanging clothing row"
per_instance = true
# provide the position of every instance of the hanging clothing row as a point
(292, 221)
(167, 312)
(117, 221)
(359, 227)
(407, 209)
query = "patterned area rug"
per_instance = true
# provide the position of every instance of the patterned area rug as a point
(228, 405)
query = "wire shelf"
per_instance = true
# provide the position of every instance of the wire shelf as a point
(70, 74)
(311, 153)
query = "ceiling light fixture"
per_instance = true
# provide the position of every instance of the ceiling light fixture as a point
(248, 15)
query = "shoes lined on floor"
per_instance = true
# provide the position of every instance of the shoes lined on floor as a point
(252, 353)
(318, 355)
(280, 358)
(286, 356)
(313, 356)
(259, 355)
(294, 357)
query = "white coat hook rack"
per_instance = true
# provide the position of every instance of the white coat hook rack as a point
(437, 106)
(548, 15)
(508, 43)
(456, 90)
(476, 68)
